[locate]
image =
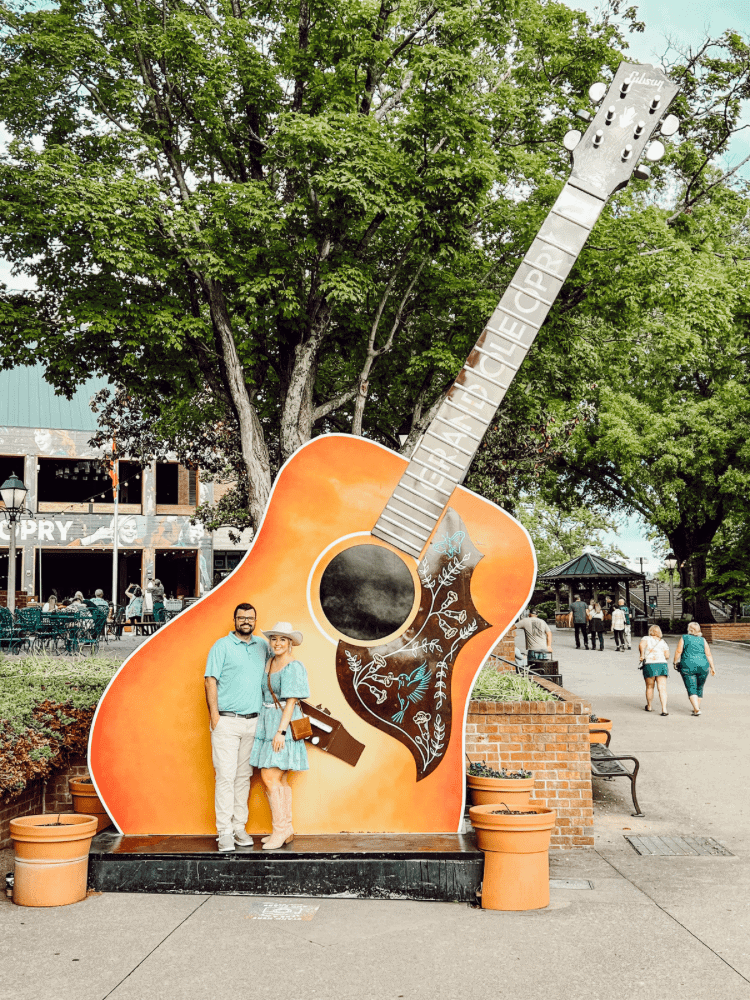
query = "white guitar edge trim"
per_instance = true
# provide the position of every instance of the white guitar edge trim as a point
(356, 534)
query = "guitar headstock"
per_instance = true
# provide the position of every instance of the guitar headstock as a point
(606, 156)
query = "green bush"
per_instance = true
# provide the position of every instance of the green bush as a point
(673, 626)
(503, 685)
(46, 708)
(546, 609)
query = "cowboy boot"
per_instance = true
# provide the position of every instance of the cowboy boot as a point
(279, 830)
(288, 815)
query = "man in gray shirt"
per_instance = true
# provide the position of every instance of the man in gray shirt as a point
(579, 621)
(538, 636)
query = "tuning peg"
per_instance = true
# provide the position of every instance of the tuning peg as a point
(639, 129)
(670, 125)
(625, 88)
(598, 139)
(584, 115)
(610, 113)
(571, 139)
(655, 151)
(627, 152)
(597, 91)
(655, 103)
(642, 172)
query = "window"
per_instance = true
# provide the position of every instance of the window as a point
(167, 475)
(70, 480)
(11, 465)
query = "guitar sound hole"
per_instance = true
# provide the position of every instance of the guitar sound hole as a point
(367, 592)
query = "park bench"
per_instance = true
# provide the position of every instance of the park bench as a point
(605, 764)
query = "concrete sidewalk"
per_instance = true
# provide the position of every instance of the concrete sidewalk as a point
(651, 927)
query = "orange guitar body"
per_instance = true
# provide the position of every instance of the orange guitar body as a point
(149, 751)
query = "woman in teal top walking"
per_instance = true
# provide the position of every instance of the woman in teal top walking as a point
(275, 751)
(693, 654)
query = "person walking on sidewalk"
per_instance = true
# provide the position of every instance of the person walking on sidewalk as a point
(655, 659)
(626, 611)
(693, 660)
(618, 628)
(596, 626)
(275, 750)
(578, 609)
(233, 679)
(538, 636)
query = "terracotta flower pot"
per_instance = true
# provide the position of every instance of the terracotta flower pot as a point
(87, 802)
(514, 792)
(601, 724)
(516, 859)
(52, 858)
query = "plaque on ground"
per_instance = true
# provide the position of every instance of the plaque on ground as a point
(678, 845)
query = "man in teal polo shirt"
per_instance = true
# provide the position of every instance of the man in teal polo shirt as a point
(234, 676)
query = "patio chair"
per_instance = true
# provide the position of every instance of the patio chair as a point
(114, 625)
(12, 638)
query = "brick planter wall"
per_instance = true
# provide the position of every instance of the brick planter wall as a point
(34, 799)
(726, 630)
(552, 740)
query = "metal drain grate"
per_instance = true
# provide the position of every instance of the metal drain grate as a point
(678, 845)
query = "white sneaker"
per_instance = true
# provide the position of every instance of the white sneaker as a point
(226, 841)
(242, 838)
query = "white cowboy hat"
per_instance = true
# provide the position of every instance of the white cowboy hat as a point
(285, 630)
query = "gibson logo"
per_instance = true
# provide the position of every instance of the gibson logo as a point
(642, 78)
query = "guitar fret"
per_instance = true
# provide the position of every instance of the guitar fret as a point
(552, 243)
(493, 357)
(408, 517)
(415, 506)
(443, 420)
(541, 267)
(570, 218)
(443, 458)
(442, 475)
(492, 381)
(405, 527)
(530, 294)
(438, 489)
(451, 445)
(523, 319)
(469, 413)
(402, 543)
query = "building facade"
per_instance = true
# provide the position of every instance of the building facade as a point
(68, 544)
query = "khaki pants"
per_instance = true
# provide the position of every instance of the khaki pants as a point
(231, 743)
(627, 635)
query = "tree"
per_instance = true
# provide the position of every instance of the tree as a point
(560, 536)
(276, 215)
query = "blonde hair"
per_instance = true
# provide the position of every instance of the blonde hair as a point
(694, 628)
(655, 630)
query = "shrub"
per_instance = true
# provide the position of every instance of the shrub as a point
(673, 626)
(46, 708)
(546, 609)
(502, 685)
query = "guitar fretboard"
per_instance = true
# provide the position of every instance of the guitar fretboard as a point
(447, 448)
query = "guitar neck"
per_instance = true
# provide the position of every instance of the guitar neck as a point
(447, 448)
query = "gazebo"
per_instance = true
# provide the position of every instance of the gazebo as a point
(588, 574)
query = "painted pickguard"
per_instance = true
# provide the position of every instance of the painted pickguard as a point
(404, 687)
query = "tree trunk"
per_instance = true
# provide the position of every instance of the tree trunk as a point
(254, 450)
(297, 408)
(690, 548)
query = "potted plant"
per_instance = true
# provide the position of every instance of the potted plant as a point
(596, 722)
(516, 855)
(52, 858)
(488, 786)
(87, 802)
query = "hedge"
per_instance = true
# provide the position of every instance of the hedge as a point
(46, 708)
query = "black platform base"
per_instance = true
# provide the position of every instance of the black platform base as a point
(445, 867)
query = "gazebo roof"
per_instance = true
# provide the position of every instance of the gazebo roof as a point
(590, 566)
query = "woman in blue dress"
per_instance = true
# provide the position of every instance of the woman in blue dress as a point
(134, 610)
(275, 751)
(693, 655)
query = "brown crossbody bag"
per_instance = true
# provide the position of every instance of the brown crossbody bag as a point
(301, 728)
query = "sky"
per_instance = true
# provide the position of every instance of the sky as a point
(681, 23)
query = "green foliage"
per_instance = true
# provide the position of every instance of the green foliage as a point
(498, 685)
(28, 681)
(559, 535)
(546, 609)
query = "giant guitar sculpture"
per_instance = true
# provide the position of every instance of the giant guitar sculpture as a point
(401, 580)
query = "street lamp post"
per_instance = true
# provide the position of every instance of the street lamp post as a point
(670, 564)
(13, 493)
